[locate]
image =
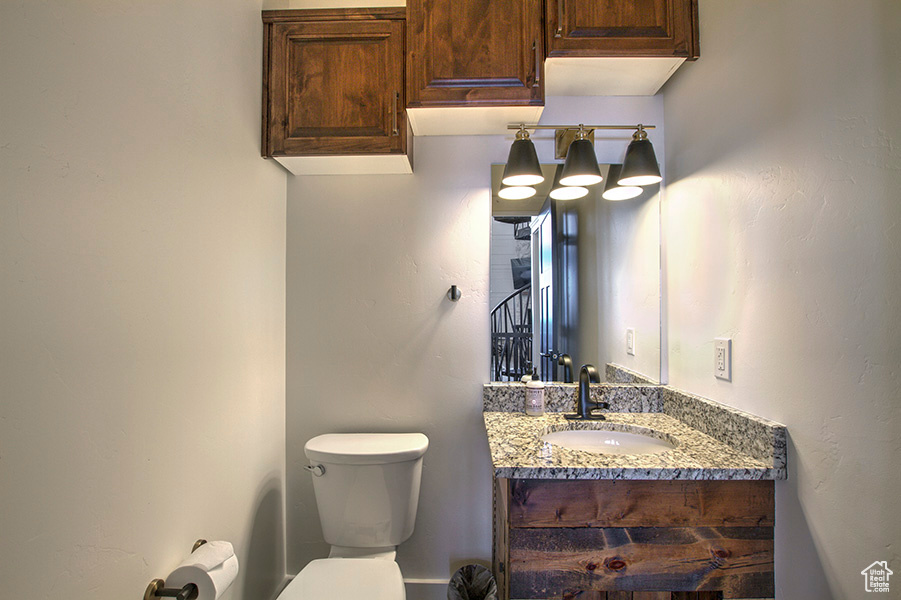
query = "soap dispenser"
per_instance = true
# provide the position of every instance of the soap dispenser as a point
(534, 395)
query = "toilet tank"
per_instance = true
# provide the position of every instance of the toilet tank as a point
(368, 493)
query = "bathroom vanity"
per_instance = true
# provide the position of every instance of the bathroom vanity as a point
(696, 515)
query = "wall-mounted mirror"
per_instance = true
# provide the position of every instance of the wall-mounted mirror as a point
(576, 277)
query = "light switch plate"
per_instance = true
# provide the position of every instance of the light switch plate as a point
(630, 342)
(722, 358)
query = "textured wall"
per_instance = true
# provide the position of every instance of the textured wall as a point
(781, 220)
(142, 252)
(373, 344)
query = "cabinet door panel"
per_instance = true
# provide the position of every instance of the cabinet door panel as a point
(337, 87)
(622, 28)
(475, 52)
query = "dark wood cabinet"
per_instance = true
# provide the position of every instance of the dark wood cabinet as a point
(475, 53)
(633, 539)
(336, 82)
(622, 28)
(333, 82)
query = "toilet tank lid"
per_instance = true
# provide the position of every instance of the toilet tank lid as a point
(366, 448)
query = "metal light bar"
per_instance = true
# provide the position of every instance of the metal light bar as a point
(622, 127)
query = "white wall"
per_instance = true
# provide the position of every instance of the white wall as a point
(373, 344)
(781, 219)
(142, 257)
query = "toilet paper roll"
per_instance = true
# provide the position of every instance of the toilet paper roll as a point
(212, 568)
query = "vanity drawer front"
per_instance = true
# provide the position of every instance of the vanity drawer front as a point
(735, 560)
(605, 503)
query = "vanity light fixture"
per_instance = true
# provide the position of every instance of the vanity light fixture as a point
(565, 192)
(516, 192)
(640, 165)
(614, 191)
(522, 167)
(581, 166)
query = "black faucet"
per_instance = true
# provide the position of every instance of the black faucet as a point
(567, 362)
(587, 375)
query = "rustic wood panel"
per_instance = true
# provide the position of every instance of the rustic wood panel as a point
(585, 596)
(475, 52)
(594, 595)
(587, 503)
(501, 536)
(545, 562)
(622, 28)
(334, 83)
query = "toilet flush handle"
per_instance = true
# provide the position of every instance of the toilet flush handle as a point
(317, 470)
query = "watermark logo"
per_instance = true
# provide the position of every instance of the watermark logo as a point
(876, 577)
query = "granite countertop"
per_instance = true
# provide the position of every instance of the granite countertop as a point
(517, 451)
(713, 441)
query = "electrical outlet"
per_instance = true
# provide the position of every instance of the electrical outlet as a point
(722, 358)
(630, 342)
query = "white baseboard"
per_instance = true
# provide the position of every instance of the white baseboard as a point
(426, 589)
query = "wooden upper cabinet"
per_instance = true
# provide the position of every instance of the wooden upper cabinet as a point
(622, 28)
(474, 52)
(333, 82)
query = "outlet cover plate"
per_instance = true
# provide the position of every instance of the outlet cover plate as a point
(630, 341)
(722, 358)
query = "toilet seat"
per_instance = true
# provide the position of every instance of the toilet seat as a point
(347, 579)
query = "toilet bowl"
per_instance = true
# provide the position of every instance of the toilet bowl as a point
(367, 493)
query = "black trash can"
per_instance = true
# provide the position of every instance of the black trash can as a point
(472, 582)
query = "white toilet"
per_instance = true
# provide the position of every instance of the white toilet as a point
(367, 491)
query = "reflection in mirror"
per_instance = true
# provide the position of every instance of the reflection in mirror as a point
(570, 278)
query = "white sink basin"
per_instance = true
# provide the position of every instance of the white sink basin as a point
(601, 441)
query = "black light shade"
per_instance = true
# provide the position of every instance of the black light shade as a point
(565, 192)
(522, 166)
(640, 165)
(614, 191)
(581, 166)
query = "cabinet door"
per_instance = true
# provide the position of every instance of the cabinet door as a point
(336, 87)
(622, 28)
(475, 52)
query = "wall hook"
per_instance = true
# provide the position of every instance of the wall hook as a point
(453, 294)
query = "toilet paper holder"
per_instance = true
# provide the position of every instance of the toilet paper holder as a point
(157, 588)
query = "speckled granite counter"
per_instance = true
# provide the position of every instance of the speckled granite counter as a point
(712, 441)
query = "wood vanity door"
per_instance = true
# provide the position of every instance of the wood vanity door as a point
(622, 28)
(475, 52)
